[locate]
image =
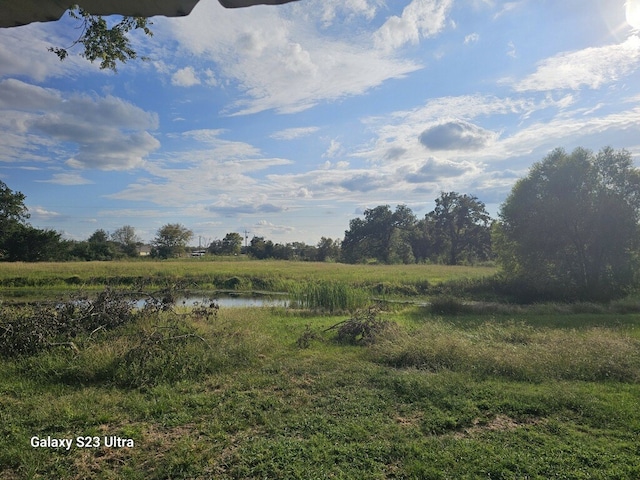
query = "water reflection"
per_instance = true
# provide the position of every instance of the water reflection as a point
(236, 301)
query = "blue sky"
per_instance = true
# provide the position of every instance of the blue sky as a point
(289, 121)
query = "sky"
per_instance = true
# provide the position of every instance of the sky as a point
(289, 121)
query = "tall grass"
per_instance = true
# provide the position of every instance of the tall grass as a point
(515, 351)
(330, 296)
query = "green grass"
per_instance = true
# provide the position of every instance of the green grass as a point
(514, 395)
(37, 279)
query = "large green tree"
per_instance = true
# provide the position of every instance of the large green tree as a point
(382, 234)
(171, 240)
(461, 229)
(570, 227)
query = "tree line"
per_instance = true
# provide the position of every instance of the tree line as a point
(569, 228)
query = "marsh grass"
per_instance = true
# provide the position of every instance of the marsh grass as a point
(329, 296)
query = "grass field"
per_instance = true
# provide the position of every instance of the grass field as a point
(522, 392)
(29, 279)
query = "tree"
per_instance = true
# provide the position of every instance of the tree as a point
(111, 44)
(13, 213)
(260, 248)
(461, 228)
(171, 240)
(328, 250)
(101, 42)
(127, 240)
(569, 229)
(28, 244)
(232, 243)
(382, 235)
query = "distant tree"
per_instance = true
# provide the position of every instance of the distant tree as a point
(100, 247)
(328, 250)
(302, 251)
(260, 248)
(170, 241)
(570, 227)
(382, 235)
(282, 251)
(232, 243)
(461, 227)
(28, 244)
(19, 241)
(126, 239)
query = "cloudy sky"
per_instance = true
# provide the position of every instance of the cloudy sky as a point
(289, 121)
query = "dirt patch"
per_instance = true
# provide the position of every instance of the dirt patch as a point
(410, 420)
(499, 423)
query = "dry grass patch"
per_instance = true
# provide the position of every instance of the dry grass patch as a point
(500, 423)
(515, 351)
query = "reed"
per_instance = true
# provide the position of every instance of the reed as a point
(330, 296)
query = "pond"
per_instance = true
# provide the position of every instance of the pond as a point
(230, 301)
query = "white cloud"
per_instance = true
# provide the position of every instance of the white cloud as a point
(335, 148)
(591, 67)
(106, 132)
(281, 61)
(346, 9)
(24, 52)
(185, 77)
(456, 135)
(293, 133)
(67, 179)
(508, 7)
(420, 19)
(433, 170)
(222, 176)
(40, 213)
(471, 38)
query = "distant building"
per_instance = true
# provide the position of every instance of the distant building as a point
(144, 250)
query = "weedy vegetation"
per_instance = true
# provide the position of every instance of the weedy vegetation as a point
(325, 388)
